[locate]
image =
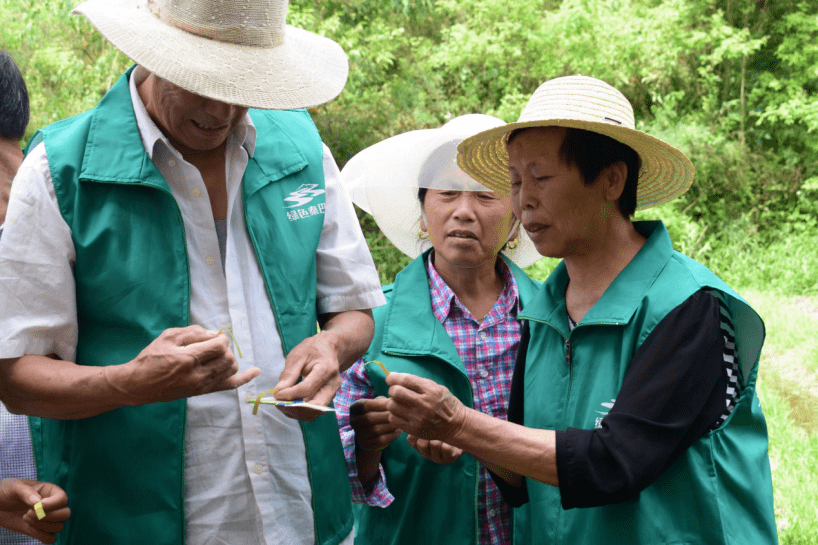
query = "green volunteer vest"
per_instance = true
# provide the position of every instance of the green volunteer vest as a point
(434, 503)
(720, 490)
(123, 470)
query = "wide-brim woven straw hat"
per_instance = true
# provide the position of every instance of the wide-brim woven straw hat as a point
(240, 52)
(582, 102)
(384, 179)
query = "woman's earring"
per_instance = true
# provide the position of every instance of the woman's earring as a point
(512, 244)
(422, 235)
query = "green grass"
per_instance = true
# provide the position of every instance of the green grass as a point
(785, 266)
(782, 262)
(792, 323)
(793, 456)
(542, 268)
(788, 388)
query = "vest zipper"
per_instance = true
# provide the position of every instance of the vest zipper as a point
(568, 361)
(169, 193)
(187, 314)
(570, 370)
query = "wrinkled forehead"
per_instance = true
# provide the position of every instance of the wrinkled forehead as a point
(536, 145)
(440, 171)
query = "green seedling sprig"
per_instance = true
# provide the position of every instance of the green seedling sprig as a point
(382, 366)
(258, 399)
(235, 342)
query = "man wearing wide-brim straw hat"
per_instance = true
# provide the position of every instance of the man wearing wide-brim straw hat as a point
(633, 415)
(195, 198)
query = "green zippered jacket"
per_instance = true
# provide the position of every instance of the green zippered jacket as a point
(719, 491)
(434, 503)
(123, 470)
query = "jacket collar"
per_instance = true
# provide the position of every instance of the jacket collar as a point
(114, 150)
(619, 302)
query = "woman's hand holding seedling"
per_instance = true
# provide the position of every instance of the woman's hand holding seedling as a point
(180, 363)
(423, 408)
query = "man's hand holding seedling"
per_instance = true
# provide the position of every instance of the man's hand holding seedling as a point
(180, 363)
(319, 360)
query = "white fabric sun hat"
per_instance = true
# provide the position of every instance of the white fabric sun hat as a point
(384, 179)
(240, 52)
(582, 102)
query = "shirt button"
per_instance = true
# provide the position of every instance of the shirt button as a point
(209, 260)
(258, 469)
(248, 397)
(196, 192)
(484, 373)
(492, 512)
(171, 163)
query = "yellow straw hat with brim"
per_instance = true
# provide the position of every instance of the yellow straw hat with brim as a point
(587, 103)
(240, 52)
(383, 180)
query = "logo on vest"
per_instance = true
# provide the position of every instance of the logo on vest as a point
(301, 197)
(607, 405)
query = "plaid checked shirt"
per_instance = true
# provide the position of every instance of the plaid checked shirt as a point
(16, 460)
(487, 350)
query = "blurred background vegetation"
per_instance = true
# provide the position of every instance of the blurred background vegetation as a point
(733, 83)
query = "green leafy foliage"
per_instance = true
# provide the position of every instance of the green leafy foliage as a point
(67, 65)
(733, 84)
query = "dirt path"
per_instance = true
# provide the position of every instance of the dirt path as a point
(789, 360)
(794, 382)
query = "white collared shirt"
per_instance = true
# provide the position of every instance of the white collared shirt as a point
(246, 478)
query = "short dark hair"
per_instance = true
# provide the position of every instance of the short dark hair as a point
(422, 195)
(14, 108)
(591, 153)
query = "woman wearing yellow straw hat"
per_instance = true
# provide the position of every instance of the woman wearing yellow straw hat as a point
(633, 415)
(450, 317)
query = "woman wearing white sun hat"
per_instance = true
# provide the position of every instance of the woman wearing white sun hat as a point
(451, 317)
(633, 415)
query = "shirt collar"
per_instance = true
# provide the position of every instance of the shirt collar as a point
(243, 135)
(444, 299)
